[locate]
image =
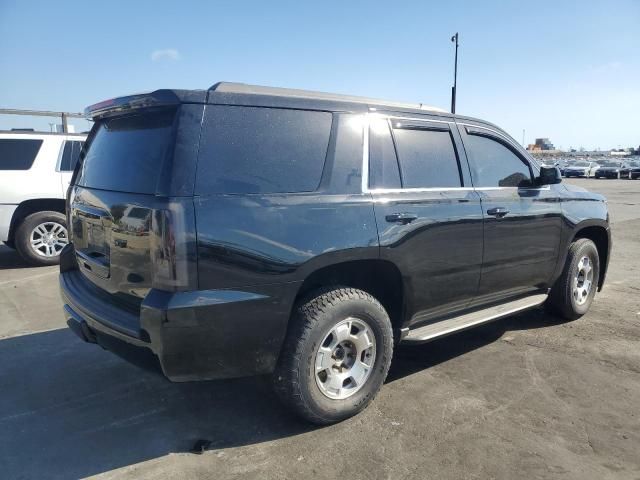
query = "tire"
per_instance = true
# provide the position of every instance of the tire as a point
(307, 391)
(568, 298)
(48, 251)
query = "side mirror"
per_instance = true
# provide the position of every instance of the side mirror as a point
(548, 176)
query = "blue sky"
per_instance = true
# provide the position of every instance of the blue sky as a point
(565, 70)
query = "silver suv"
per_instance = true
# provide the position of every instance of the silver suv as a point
(35, 170)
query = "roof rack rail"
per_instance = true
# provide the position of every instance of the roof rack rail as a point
(42, 113)
(243, 88)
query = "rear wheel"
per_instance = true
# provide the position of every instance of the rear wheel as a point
(41, 237)
(573, 292)
(336, 355)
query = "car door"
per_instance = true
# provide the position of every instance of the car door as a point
(429, 217)
(522, 222)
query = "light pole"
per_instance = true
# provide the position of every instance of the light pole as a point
(455, 75)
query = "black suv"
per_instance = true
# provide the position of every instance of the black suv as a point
(249, 230)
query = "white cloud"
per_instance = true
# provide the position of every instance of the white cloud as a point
(166, 54)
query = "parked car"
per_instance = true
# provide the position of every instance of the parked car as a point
(35, 169)
(303, 235)
(609, 170)
(580, 169)
(631, 170)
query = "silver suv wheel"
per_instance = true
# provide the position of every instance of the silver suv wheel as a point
(345, 358)
(48, 239)
(582, 280)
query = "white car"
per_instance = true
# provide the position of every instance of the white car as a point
(35, 170)
(581, 169)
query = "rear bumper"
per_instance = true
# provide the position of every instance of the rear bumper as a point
(198, 335)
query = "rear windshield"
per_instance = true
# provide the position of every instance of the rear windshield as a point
(126, 154)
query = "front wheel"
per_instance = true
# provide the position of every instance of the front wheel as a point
(336, 355)
(573, 292)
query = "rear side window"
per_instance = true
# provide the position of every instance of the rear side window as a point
(18, 154)
(427, 158)
(127, 153)
(70, 154)
(495, 165)
(261, 150)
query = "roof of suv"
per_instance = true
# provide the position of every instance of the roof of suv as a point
(231, 93)
(243, 88)
(245, 94)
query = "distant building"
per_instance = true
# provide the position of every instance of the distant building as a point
(540, 145)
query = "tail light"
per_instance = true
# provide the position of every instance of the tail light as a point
(173, 247)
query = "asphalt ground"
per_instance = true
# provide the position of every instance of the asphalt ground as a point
(525, 397)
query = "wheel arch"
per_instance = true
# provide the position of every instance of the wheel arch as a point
(380, 278)
(28, 207)
(600, 235)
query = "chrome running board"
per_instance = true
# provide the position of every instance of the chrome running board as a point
(456, 324)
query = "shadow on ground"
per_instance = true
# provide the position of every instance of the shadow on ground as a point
(71, 410)
(409, 359)
(9, 258)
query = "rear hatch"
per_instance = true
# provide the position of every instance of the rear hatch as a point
(130, 203)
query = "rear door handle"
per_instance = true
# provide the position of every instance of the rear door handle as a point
(498, 212)
(402, 218)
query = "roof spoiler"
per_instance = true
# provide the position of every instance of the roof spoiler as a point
(121, 105)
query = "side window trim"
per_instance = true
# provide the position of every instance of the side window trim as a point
(411, 124)
(490, 134)
(434, 127)
(515, 148)
(60, 154)
(395, 151)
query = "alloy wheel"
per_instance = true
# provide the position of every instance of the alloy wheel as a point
(583, 280)
(345, 358)
(48, 239)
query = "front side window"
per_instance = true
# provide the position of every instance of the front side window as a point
(495, 165)
(427, 158)
(18, 153)
(247, 150)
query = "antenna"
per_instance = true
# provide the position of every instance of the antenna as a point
(455, 75)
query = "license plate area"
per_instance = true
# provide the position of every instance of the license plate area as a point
(90, 239)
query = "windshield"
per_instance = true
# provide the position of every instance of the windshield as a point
(610, 164)
(126, 153)
(580, 164)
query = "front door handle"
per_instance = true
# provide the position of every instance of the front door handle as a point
(498, 212)
(402, 218)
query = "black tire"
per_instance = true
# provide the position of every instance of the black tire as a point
(23, 236)
(562, 301)
(295, 375)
